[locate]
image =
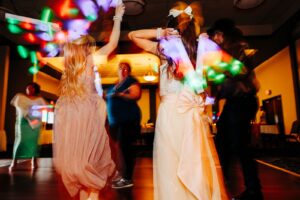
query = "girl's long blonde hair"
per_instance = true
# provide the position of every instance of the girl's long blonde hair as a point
(76, 53)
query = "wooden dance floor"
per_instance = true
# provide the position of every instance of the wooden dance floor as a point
(44, 184)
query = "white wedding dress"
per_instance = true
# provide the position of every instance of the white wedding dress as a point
(186, 164)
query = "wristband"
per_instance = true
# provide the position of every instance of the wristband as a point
(158, 33)
(116, 18)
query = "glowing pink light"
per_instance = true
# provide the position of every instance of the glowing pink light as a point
(173, 48)
(77, 27)
(105, 4)
(52, 49)
(45, 36)
(60, 36)
(88, 8)
(114, 3)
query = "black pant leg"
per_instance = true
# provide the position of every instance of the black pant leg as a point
(130, 131)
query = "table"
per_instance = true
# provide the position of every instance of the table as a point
(269, 129)
(270, 135)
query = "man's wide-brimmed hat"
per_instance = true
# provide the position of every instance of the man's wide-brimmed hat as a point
(226, 26)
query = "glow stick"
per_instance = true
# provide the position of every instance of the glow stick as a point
(37, 107)
(173, 48)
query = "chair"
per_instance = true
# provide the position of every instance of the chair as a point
(294, 133)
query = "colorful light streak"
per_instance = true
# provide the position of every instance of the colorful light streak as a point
(77, 27)
(34, 69)
(14, 29)
(23, 52)
(89, 9)
(49, 34)
(211, 65)
(173, 48)
(12, 17)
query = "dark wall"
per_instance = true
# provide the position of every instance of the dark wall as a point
(18, 78)
(269, 45)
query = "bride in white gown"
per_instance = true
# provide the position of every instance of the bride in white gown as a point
(186, 164)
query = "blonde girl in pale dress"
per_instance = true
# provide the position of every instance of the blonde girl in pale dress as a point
(82, 154)
(186, 165)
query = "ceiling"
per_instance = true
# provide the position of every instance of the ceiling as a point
(141, 64)
(263, 20)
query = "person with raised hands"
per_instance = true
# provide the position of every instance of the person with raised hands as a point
(186, 164)
(82, 154)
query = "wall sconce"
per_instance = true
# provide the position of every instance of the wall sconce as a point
(134, 7)
(268, 92)
(247, 4)
(250, 52)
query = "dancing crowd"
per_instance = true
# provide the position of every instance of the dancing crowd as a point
(94, 135)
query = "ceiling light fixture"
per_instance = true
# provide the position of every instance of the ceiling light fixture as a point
(247, 4)
(149, 76)
(134, 7)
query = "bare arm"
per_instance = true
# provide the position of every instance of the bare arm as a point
(133, 92)
(145, 38)
(115, 34)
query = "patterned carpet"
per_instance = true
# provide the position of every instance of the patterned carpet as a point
(290, 163)
(287, 157)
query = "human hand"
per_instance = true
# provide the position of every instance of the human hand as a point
(120, 9)
(204, 35)
(170, 32)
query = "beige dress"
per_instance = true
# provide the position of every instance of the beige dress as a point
(81, 145)
(186, 164)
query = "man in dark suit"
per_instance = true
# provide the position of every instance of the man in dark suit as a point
(241, 104)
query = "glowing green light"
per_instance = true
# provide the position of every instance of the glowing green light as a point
(235, 69)
(194, 81)
(14, 29)
(23, 52)
(12, 21)
(33, 69)
(50, 31)
(204, 83)
(219, 78)
(91, 17)
(236, 62)
(223, 65)
(73, 11)
(46, 14)
(211, 73)
(33, 57)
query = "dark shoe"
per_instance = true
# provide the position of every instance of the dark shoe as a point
(122, 183)
(249, 195)
(116, 178)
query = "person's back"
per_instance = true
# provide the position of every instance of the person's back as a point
(183, 154)
(80, 116)
(81, 145)
(239, 91)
